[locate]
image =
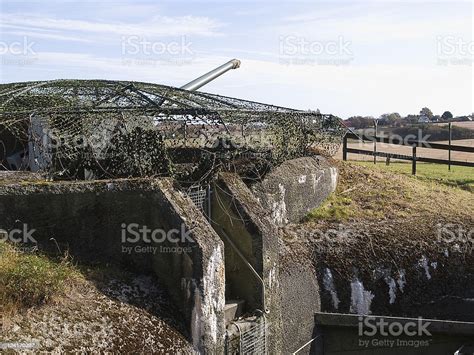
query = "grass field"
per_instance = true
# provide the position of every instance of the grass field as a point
(459, 176)
(466, 124)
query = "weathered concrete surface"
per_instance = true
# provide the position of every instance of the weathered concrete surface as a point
(88, 219)
(295, 188)
(300, 300)
(238, 214)
(341, 334)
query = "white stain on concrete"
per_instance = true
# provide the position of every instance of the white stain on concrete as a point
(328, 283)
(272, 277)
(392, 289)
(279, 213)
(316, 180)
(424, 264)
(386, 275)
(333, 172)
(360, 298)
(401, 281)
(213, 300)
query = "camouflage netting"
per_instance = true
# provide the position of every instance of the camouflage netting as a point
(76, 129)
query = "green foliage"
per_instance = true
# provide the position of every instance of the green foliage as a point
(425, 111)
(447, 115)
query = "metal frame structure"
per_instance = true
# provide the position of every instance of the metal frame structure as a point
(70, 129)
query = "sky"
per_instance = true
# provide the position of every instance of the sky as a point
(341, 57)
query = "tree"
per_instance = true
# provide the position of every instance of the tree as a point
(359, 122)
(425, 111)
(390, 119)
(447, 115)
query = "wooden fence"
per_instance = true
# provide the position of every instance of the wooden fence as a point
(413, 157)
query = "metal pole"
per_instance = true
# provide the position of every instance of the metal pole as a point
(206, 78)
(449, 151)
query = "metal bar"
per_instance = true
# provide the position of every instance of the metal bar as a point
(213, 74)
(305, 345)
(435, 326)
(249, 266)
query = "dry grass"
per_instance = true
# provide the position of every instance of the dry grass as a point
(28, 280)
(369, 193)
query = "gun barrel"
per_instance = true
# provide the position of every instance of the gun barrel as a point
(213, 74)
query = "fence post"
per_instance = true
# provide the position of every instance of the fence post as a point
(376, 121)
(449, 151)
(413, 164)
(344, 148)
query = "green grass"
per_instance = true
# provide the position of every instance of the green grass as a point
(336, 207)
(459, 176)
(30, 279)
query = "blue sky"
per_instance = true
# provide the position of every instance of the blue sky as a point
(346, 58)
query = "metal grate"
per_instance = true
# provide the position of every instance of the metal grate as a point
(254, 340)
(198, 195)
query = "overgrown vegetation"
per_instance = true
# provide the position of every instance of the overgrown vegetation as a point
(30, 279)
(336, 207)
(367, 192)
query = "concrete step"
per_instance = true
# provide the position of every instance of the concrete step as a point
(233, 309)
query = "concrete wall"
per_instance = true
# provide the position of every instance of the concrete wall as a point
(87, 219)
(295, 188)
(340, 334)
(237, 212)
(300, 300)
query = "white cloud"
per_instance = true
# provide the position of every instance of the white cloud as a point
(344, 90)
(382, 27)
(158, 26)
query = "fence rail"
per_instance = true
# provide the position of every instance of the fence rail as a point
(412, 143)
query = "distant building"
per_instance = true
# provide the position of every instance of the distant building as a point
(424, 119)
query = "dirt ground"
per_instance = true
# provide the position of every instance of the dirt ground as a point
(130, 314)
